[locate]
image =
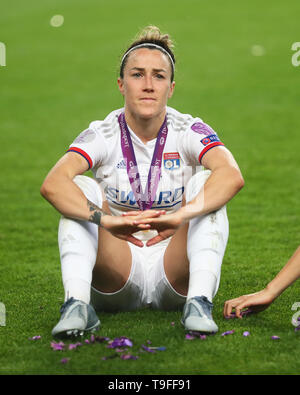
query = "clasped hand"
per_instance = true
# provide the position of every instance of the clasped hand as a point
(131, 222)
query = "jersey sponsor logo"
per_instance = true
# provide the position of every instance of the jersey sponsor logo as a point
(121, 164)
(202, 128)
(172, 160)
(210, 139)
(125, 198)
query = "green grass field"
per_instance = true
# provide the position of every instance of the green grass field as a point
(234, 70)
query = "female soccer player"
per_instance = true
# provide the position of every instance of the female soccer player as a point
(261, 300)
(151, 228)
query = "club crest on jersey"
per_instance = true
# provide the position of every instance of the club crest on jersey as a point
(172, 161)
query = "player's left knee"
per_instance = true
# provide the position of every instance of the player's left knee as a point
(195, 184)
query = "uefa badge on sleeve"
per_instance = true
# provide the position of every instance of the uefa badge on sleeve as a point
(172, 161)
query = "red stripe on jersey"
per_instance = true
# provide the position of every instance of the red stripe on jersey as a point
(83, 153)
(203, 152)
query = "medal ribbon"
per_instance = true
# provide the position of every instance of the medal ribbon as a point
(144, 199)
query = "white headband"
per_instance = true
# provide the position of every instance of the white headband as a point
(149, 45)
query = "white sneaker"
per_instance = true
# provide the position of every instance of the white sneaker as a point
(76, 318)
(197, 315)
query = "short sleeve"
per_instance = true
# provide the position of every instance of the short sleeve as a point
(90, 144)
(196, 140)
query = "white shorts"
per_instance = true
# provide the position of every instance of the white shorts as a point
(147, 285)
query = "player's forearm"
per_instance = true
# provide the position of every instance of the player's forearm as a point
(287, 275)
(69, 200)
(222, 185)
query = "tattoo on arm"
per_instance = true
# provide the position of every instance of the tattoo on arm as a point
(96, 213)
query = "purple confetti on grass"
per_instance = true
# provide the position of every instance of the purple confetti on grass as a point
(74, 346)
(65, 360)
(227, 333)
(198, 334)
(193, 334)
(119, 349)
(57, 346)
(246, 333)
(120, 342)
(297, 328)
(275, 337)
(153, 349)
(188, 336)
(148, 349)
(244, 313)
(38, 337)
(128, 356)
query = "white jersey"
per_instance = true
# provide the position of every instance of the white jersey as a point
(187, 141)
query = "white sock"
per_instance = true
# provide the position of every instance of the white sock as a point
(205, 252)
(206, 243)
(202, 283)
(78, 289)
(78, 246)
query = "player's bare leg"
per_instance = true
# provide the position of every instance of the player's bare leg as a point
(176, 261)
(113, 263)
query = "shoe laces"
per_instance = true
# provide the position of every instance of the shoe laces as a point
(204, 303)
(66, 304)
